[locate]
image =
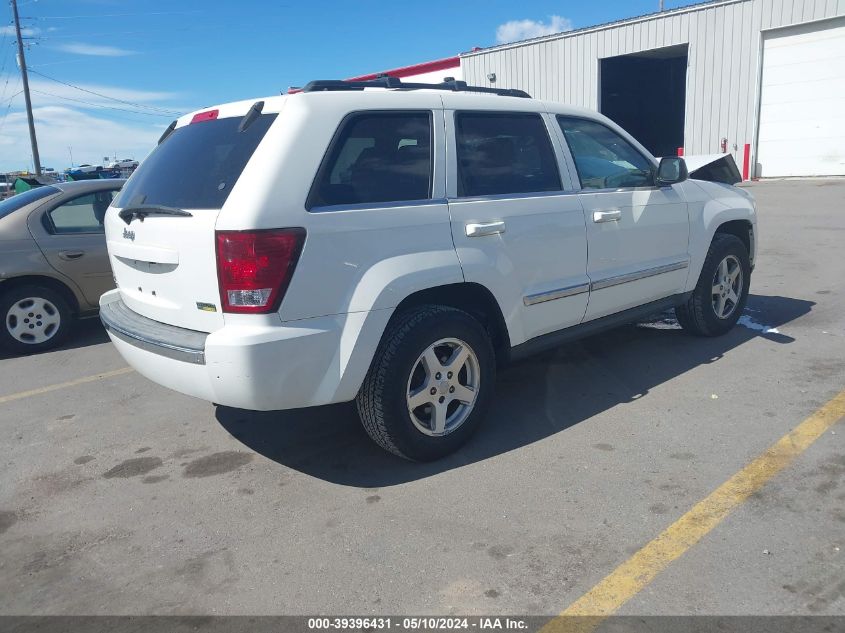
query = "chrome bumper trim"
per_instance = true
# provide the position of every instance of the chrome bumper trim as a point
(159, 338)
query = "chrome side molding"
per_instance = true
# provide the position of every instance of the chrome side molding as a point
(558, 293)
(640, 274)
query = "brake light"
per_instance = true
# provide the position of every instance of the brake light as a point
(254, 268)
(208, 115)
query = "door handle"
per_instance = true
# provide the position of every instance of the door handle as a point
(71, 254)
(607, 216)
(478, 229)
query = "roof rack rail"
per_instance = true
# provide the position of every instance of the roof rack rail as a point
(329, 85)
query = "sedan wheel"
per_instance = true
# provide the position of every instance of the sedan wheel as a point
(33, 320)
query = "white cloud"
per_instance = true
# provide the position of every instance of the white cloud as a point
(48, 92)
(91, 130)
(91, 137)
(25, 31)
(80, 48)
(516, 30)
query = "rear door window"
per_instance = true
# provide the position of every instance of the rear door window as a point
(196, 166)
(83, 214)
(377, 157)
(504, 153)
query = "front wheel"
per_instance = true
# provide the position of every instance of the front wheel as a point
(719, 297)
(430, 383)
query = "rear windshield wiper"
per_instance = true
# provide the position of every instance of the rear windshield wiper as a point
(130, 213)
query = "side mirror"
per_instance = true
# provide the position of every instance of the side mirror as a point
(671, 170)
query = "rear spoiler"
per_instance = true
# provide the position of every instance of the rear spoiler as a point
(713, 167)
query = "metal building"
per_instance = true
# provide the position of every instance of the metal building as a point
(711, 77)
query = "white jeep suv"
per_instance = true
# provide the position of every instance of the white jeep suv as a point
(392, 243)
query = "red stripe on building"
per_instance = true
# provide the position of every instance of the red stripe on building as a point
(416, 69)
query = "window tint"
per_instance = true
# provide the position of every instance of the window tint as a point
(377, 157)
(604, 159)
(81, 215)
(504, 153)
(18, 201)
(197, 165)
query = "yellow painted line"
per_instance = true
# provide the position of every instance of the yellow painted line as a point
(624, 582)
(64, 385)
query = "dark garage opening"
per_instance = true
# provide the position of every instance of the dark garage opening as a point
(645, 93)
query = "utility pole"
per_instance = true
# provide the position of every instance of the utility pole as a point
(661, 5)
(22, 61)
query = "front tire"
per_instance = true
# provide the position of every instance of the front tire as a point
(430, 383)
(720, 295)
(35, 319)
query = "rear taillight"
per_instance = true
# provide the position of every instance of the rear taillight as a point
(254, 268)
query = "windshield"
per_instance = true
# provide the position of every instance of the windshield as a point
(196, 166)
(10, 205)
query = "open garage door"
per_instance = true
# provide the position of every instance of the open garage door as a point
(645, 93)
(802, 101)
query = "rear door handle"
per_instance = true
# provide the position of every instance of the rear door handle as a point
(607, 216)
(71, 254)
(478, 229)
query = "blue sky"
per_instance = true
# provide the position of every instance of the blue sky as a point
(160, 58)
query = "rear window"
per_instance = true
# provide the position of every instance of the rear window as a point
(196, 166)
(10, 205)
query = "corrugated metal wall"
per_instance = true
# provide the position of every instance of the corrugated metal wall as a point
(724, 59)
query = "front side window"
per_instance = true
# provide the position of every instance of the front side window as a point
(377, 157)
(81, 215)
(504, 153)
(603, 159)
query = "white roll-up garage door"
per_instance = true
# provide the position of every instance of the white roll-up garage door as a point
(802, 101)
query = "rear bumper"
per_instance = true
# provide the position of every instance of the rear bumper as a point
(297, 364)
(159, 338)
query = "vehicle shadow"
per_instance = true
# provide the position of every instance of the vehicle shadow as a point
(534, 399)
(84, 333)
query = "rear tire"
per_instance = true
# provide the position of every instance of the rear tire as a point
(35, 318)
(720, 295)
(430, 383)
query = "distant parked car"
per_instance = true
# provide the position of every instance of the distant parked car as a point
(124, 163)
(86, 168)
(53, 261)
(5, 184)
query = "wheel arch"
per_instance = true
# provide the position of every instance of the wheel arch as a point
(742, 229)
(48, 282)
(474, 299)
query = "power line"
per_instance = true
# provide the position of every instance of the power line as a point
(113, 15)
(163, 111)
(100, 105)
(12, 97)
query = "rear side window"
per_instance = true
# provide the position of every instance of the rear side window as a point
(83, 214)
(376, 157)
(196, 166)
(503, 153)
(603, 159)
(18, 201)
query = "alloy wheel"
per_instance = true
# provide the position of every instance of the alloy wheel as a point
(443, 387)
(727, 287)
